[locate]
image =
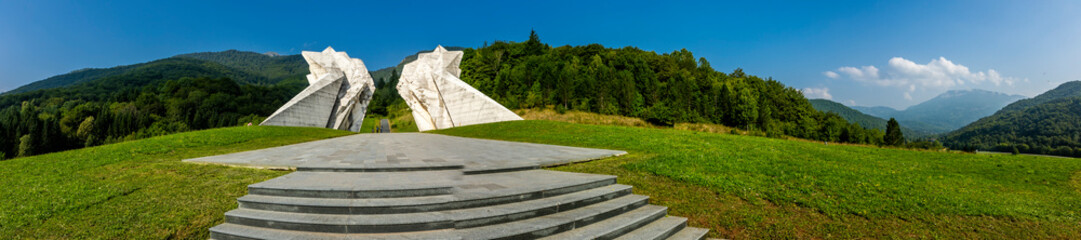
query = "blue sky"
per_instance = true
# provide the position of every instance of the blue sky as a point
(891, 53)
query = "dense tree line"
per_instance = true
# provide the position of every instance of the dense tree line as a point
(187, 92)
(55, 122)
(386, 94)
(664, 89)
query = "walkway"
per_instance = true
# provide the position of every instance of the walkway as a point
(385, 125)
(428, 186)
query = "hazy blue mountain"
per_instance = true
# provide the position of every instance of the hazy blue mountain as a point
(878, 111)
(948, 111)
(865, 120)
(955, 109)
(924, 129)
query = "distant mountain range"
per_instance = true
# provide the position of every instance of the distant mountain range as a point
(864, 120)
(946, 112)
(1046, 124)
(243, 67)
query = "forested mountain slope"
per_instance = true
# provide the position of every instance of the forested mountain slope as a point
(187, 92)
(259, 68)
(1065, 90)
(245, 67)
(1046, 124)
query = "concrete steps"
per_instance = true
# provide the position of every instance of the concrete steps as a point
(469, 195)
(616, 226)
(357, 184)
(657, 230)
(379, 168)
(550, 224)
(447, 204)
(422, 221)
(690, 233)
(229, 231)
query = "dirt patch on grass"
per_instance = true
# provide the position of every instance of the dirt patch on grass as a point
(706, 127)
(581, 117)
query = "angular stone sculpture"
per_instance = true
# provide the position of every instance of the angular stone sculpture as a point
(337, 96)
(439, 99)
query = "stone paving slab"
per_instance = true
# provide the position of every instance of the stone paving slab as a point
(428, 186)
(408, 150)
(346, 181)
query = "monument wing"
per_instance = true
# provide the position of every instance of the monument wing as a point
(439, 99)
(337, 96)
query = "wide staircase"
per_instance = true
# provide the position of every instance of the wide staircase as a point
(447, 203)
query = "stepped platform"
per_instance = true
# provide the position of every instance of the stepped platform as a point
(427, 186)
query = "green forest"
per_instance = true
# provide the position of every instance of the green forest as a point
(1052, 128)
(161, 97)
(1049, 123)
(663, 89)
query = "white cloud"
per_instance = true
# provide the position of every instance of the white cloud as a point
(850, 102)
(831, 74)
(938, 74)
(814, 93)
(866, 73)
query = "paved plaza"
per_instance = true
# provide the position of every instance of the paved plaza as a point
(429, 186)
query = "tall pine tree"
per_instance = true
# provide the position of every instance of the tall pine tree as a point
(893, 136)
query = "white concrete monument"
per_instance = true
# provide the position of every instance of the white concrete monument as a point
(439, 99)
(337, 96)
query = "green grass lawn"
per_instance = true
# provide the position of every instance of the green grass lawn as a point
(738, 186)
(137, 189)
(369, 124)
(754, 187)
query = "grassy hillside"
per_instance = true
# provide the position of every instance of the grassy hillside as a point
(739, 186)
(763, 188)
(137, 189)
